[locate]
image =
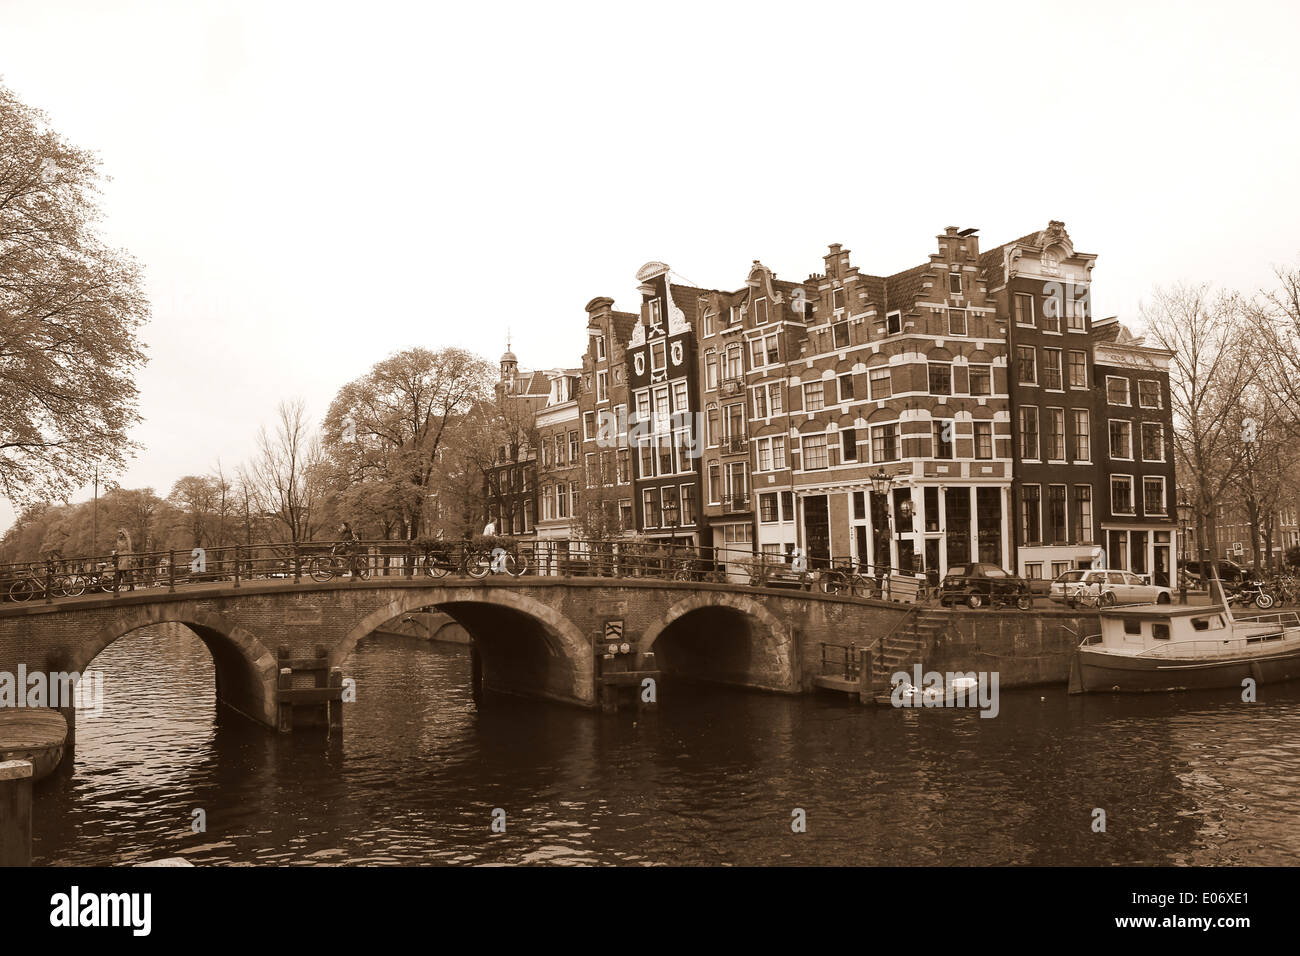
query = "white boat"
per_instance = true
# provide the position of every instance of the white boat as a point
(1164, 648)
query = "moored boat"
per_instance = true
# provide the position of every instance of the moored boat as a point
(36, 734)
(1163, 648)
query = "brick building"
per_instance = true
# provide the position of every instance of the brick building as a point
(952, 412)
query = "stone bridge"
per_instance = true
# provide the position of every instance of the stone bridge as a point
(533, 636)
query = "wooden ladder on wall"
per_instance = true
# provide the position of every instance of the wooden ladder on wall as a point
(309, 693)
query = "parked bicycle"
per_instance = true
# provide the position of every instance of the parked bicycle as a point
(337, 564)
(1090, 596)
(846, 578)
(480, 562)
(33, 583)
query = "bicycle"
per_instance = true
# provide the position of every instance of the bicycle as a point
(326, 566)
(33, 583)
(480, 562)
(1090, 596)
(846, 578)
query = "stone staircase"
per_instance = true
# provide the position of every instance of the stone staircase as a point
(906, 647)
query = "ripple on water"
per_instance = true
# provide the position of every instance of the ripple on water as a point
(710, 778)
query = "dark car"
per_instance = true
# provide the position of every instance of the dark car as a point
(984, 585)
(1230, 572)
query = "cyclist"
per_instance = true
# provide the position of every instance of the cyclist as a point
(349, 544)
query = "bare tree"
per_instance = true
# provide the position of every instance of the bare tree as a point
(285, 476)
(1212, 372)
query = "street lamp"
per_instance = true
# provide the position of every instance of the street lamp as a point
(1184, 509)
(670, 519)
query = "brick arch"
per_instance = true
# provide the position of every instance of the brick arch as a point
(245, 667)
(564, 640)
(776, 652)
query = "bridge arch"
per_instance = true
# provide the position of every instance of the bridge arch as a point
(245, 668)
(525, 646)
(727, 638)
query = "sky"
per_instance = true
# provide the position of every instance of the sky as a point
(312, 187)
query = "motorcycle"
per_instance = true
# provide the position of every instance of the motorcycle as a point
(1251, 592)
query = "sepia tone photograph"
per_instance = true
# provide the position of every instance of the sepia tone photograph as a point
(693, 436)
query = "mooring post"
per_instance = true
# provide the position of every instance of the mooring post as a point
(336, 699)
(15, 813)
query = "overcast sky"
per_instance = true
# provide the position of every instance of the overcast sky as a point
(311, 188)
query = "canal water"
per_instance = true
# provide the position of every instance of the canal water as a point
(711, 777)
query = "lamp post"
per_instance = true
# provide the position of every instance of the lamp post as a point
(880, 485)
(1184, 509)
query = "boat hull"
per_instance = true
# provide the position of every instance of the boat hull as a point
(1101, 673)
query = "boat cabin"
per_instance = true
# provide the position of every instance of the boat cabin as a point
(1185, 631)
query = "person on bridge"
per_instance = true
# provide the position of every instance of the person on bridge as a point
(125, 559)
(349, 544)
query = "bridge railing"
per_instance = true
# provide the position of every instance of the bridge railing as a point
(59, 576)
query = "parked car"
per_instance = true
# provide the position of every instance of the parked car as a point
(1128, 587)
(984, 585)
(1230, 572)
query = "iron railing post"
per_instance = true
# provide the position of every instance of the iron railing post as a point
(171, 572)
(237, 550)
(117, 573)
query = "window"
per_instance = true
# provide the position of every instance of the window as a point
(880, 383)
(573, 448)
(1121, 494)
(940, 378)
(760, 311)
(1116, 390)
(625, 520)
(624, 466)
(760, 402)
(600, 348)
(943, 430)
(770, 452)
(767, 507)
(735, 367)
(767, 400)
(561, 500)
(663, 411)
(1153, 496)
(1121, 439)
(1051, 314)
(1076, 310)
(656, 312)
(1024, 309)
(647, 461)
(954, 283)
(1149, 393)
(711, 370)
(956, 321)
(845, 384)
(984, 440)
(848, 444)
(893, 323)
(763, 351)
(1153, 441)
(589, 425)
(650, 508)
(1052, 369)
(981, 380)
(1056, 434)
(559, 450)
(658, 356)
(715, 483)
(837, 299)
(681, 396)
(1078, 369)
(1056, 532)
(1029, 433)
(1083, 513)
(840, 335)
(884, 442)
(1025, 360)
(1082, 435)
(812, 397)
(710, 323)
(1030, 515)
(688, 504)
(814, 452)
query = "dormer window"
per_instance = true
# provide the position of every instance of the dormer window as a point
(656, 312)
(837, 299)
(760, 311)
(954, 283)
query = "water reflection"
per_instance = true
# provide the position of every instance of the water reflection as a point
(710, 777)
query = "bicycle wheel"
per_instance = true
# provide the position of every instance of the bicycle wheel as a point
(24, 589)
(516, 564)
(434, 569)
(864, 587)
(478, 564)
(322, 568)
(833, 582)
(74, 585)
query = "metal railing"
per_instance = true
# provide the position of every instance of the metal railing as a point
(239, 565)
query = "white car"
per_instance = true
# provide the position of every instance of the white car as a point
(1127, 587)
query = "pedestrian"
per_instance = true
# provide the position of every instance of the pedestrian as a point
(125, 559)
